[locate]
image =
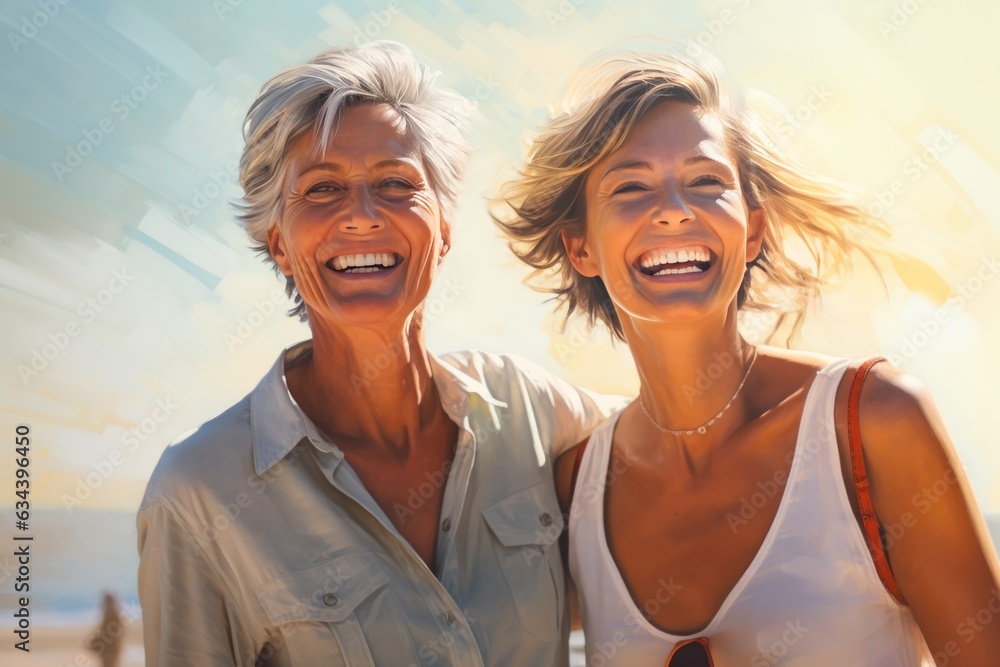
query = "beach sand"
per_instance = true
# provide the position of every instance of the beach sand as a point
(64, 647)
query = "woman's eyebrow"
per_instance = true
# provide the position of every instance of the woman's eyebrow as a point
(698, 159)
(640, 164)
(395, 162)
(329, 166)
(337, 168)
(634, 164)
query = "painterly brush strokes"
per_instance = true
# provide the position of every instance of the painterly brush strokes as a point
(134, 308)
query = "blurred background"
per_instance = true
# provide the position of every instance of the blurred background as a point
(134, 309)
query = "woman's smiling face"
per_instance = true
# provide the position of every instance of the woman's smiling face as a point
(668, 229)
(361, 230)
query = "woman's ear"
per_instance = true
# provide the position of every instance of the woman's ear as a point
(578, 253)
(756, 229)
(276, 246)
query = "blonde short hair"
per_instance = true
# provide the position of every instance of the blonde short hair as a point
(313, 96)
(601, 111)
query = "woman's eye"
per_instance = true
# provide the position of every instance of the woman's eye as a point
(322, 189)
(628, 187)
(708, 180)
(396, 184)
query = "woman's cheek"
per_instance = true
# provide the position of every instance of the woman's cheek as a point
(731, 205)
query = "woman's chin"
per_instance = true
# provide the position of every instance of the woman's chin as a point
(367, 311)
(678, 310)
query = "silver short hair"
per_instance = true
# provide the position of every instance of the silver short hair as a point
(312, 97)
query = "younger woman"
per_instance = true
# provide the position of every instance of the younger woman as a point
(738, 521)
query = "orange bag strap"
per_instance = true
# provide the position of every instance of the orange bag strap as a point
(861, 487)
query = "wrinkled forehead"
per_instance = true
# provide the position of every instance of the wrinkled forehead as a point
(363, 133)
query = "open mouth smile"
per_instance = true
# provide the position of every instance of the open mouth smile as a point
(675, 261)
(364, 263)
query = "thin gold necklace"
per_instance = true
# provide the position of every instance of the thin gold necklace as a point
(704, 427)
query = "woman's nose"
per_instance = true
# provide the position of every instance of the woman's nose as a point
(362, 216)
(672, 209)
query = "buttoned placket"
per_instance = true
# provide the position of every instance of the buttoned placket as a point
(455, 490)
(456, 393)
(447, 610)
(458, 404)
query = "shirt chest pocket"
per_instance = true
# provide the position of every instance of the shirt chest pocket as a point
(527, 525)
(327, 608)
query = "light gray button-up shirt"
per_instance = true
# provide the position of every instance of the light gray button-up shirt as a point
(260, 546)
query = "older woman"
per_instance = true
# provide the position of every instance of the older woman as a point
(730, 513)
(337, 516)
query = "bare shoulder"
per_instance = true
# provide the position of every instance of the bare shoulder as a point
(900, 423)
(894, 394)
(793, 360)
(780, 373)
(905, 443)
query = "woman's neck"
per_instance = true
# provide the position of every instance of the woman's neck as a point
(688, 374)
(370, 386)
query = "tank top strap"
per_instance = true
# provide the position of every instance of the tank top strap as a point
(587, 506)
(591, 469)
(818, 414)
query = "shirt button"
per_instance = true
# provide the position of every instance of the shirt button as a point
(545, 519)
(449, 618)
(446, 525)
(330, 600)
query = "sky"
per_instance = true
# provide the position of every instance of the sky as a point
(134, 308)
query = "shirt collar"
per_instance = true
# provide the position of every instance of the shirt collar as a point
(456, 387)
(277, 423)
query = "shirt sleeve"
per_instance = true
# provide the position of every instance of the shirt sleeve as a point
(569, 412)
(185, 618)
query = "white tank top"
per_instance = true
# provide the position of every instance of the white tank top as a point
(811, 597)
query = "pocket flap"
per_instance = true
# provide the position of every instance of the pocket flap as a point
(329, 591)
(528, 517)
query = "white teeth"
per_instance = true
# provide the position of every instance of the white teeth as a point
(670, 272)
(658, 257)
(364, 263)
